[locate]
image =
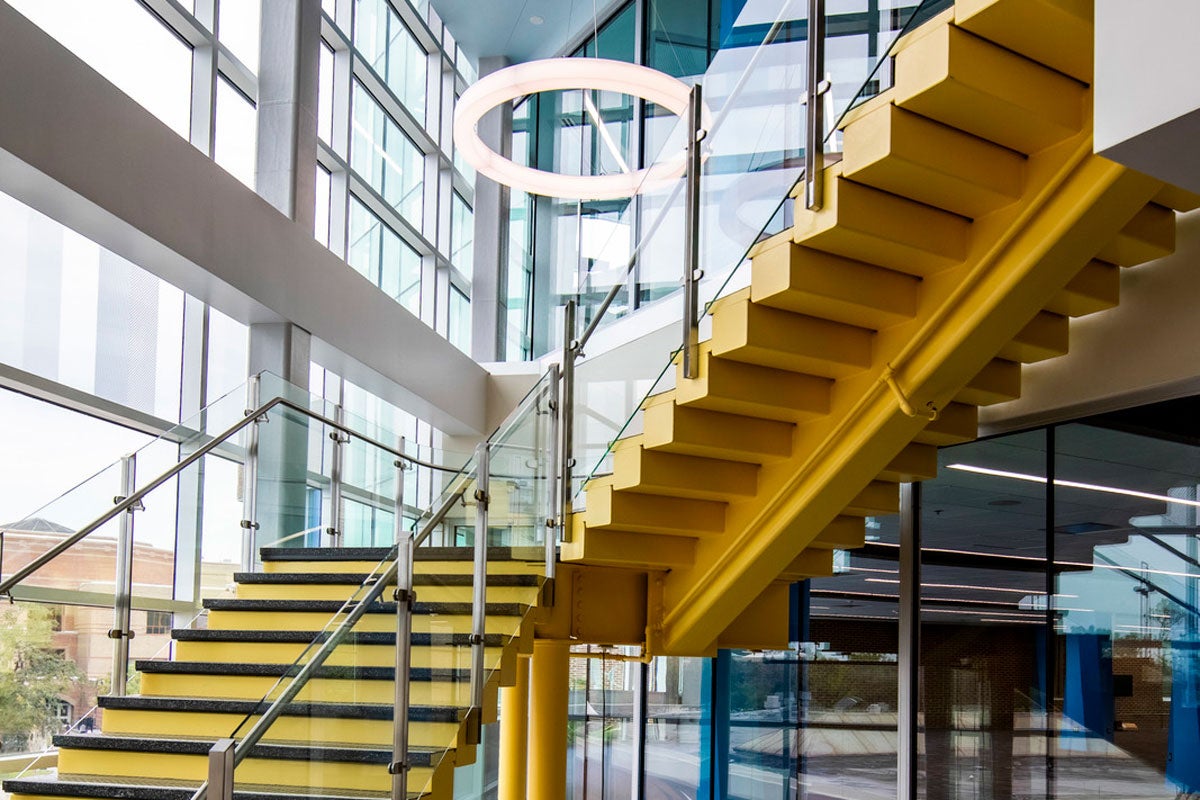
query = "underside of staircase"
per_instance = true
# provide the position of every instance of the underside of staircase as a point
(967, 222)
(335, 740)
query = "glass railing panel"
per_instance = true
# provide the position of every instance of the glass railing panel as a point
(167, 528)
(333, 725)
(854, 73)
(745, 192)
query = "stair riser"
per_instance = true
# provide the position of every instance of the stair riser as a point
(971, 84)
(253, 687)
(370, 655)
(384, 623)
(639, 470)
(320, 774)
(421, 568)
(375, 732)
(713, 435)
(526, 595)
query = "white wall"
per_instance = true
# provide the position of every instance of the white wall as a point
(1146, 91)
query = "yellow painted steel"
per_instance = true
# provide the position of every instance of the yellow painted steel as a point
(1094, 288)
(865, 224)
(640, 470)
(961, 80)
(807, 281)
(364, 655)
(421, 567)
(1057, 33)
(770, 337)
(904, 153)
(611, 548)
(321, 690)
(735, 387)
(996, 382)
(331, 775)
(287, 729)
(548, 689)
(381, 623)
(427, 593)
(1014, 270)
(642, 513)
(844, 533)
(1149, 235)
(713, 434)
(956, 423)
(916, 462)
(514, 736)
(1046, 336)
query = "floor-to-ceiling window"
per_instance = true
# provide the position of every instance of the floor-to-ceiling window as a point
(1060, 599)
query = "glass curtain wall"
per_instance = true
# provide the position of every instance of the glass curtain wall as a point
(1060, 599)
(147, 48)
(580, 250)
(392, 198)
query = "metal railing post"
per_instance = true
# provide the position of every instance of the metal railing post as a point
(567, 416)
(121, 631)
(249, 522)
(552, 472)
(220, 770)
(405, 597)
(335, 479)
(691, 237)
(814, 142)
(479, 595)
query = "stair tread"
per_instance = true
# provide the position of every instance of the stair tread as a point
(379, 607)
(307, 751)
(381, 553)
(354, 637)
(278, 670)
(417, 713)
(358, 578)
(166, 789)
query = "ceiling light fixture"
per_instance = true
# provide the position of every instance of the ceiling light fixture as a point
(1091, 487)
(555, 74)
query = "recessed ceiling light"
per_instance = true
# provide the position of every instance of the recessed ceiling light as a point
(536, 20)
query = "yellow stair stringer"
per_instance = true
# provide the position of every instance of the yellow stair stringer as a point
(1020, 257)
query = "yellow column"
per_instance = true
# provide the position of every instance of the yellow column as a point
(514, 734)
(548, 687)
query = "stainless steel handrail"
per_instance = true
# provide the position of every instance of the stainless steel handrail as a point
(359, 608)
(136, 497)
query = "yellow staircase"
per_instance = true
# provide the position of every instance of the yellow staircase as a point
(335, 740)
(966, 223)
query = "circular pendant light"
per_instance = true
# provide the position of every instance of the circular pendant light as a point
(550, 74)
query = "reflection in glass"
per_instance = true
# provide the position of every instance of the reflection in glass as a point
(385, 158)
(391, 49)
(381, 256)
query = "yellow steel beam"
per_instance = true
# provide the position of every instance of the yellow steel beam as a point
(1019, 257)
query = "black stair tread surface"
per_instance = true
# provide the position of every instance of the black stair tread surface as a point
(358, 578)
(294, 751)
(530, 554)
(279, 670)
(100, 786)
(370, 711)
(381, 607)
(354, 637)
